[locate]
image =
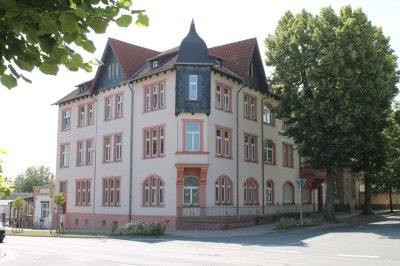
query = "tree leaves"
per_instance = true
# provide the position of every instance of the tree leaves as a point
(37, 35)
(8, 81)
(124, 21)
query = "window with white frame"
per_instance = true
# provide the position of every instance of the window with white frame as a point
(250, 148)
(147, 101)
(64, 155)
(153, 191)
(269, 152)
(218, 97)
(90, 119)
(44, 209)
(119, 100)
(80, 148)
(81, 118)
(111, 191)
(83, 192)
(223, 191)
(154, 142)
(227, 97)
(66, 119)
(193, 137)
(250, 191)
(223, 142)
(107, 149)
(108, 108)
(154, 97)
(193, 87)
(250, 107)
(268, 118)
(89, 151)
(118, 147)
(162, 95)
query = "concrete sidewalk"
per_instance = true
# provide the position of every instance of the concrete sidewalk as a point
(248, 231)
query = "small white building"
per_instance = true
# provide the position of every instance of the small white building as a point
(42, 212)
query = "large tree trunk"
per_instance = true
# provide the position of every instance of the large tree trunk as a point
(329, 214)
(390, 198)
(367, 194)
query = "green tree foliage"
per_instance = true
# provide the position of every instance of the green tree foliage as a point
(58, 199)
(5, 189)
(19, 205)
(33, 176)
(389, 176)
(336, 74)
(45, 33)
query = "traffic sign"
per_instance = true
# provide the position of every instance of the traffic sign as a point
(300, 182)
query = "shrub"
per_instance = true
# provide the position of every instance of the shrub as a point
(286, 223)
(141, 229)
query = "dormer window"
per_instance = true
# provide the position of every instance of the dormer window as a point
(113, 70)
(81, 89)
(155, 64)
(217, 63)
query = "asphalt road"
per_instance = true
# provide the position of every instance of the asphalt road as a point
(363, 244)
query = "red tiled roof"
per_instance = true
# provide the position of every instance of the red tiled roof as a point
(130, 57)
(237, 56)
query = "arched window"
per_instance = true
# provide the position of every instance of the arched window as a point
(191, 190)
(269, 152)
(270, 192)
(223, 191)
(250, 191)
(288, 193)
(153, 191)
(268, 117)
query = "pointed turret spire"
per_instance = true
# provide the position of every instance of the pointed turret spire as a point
(193, 50)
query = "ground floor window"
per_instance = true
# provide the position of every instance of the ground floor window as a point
(153, 191)
(191, 190)
(223, 191)
(250, 191)
(270, 192)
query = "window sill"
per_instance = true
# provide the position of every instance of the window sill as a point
(250, 161)
(191, 153)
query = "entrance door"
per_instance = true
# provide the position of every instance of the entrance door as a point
(191, 196)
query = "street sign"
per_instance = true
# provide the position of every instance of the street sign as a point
(300, 182)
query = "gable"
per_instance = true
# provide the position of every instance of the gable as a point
(256, 76)
(108, 74)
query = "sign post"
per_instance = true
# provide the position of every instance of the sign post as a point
(300, 183)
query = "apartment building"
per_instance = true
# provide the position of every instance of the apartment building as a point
(159, 136)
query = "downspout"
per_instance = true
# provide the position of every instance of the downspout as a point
(237, 150)
(131, 157)
(262, 155)
(95, 167)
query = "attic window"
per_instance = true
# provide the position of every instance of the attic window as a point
(217, 63)
(113, 70)
(81, 89)
(155, 64)
(251, 70)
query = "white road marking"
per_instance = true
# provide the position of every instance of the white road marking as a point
(285, 251)
(359, 256)
(83, 259)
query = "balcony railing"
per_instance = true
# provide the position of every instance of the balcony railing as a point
(230, 212)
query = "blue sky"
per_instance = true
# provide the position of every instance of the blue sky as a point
(28, 120)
